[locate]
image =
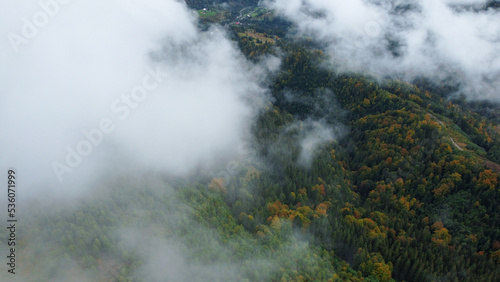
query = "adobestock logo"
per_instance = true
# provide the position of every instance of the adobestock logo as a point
(31, 26)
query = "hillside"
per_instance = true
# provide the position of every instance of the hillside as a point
(344, 176)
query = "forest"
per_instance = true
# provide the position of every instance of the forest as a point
(404, 186)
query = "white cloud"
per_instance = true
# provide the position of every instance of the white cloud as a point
(435, 38)
(69, 75)
(315, 134)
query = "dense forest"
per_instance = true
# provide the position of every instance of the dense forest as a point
(407, 190)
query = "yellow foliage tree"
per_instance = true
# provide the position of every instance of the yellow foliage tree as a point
(217, 185)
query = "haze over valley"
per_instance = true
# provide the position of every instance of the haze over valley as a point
(164, 140)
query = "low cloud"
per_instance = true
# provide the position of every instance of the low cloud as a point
(101, 87)
(406, 39)
(313, 134)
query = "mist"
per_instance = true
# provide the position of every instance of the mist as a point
(88, 88)
(133, 134)
(316, 133)
(439, 40)
(101, 100)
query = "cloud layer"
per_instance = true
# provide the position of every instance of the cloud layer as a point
(87, 87)
(406, 39)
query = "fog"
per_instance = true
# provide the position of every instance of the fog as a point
(92, 92)
(438, 39)
(316, 133)
(89, 87)
(182, 246)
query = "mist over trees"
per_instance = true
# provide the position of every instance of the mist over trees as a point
(270, 149)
